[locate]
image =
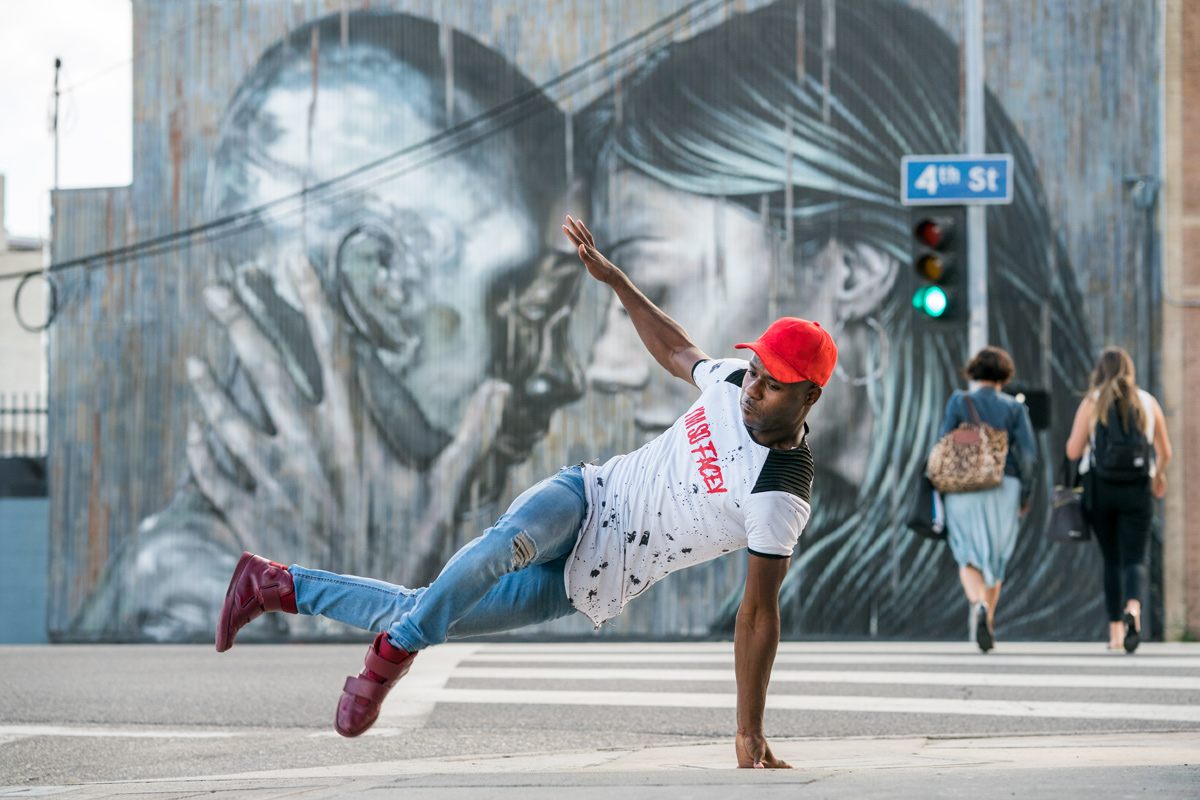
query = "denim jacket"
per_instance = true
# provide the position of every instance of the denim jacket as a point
(1003, 413)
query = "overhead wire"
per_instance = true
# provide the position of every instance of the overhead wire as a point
(458, 137)
(144, 49)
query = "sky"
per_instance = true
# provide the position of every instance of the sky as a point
(94, 40)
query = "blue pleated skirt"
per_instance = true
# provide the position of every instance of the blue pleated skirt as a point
(982, 527)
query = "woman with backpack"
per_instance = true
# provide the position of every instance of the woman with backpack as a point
(982, 525)
(1120, 435)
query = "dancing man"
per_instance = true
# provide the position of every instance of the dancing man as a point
(734, 472)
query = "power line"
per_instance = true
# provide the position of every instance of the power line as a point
(455, 138)
(141, 51)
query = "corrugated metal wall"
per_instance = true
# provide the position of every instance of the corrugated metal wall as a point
(1077, 80)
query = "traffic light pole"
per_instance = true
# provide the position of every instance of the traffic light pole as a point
(977, 266)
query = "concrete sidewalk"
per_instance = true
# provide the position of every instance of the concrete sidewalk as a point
(1164, 765)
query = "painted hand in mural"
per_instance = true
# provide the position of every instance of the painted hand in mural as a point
(320, 475)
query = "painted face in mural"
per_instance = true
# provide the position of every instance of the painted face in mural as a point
(414, 259)
(774, 139)
(713, 266)
(395, 318)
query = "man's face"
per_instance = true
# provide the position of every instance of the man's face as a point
(413, 259)
(771, 407)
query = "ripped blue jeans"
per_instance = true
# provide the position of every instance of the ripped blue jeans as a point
(510, 577)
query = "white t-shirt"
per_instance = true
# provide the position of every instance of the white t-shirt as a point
(1147, 401)
(700, 489)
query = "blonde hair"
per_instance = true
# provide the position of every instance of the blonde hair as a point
(1113, 381)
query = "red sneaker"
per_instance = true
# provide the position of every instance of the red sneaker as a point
(257, 586)
(362, 696)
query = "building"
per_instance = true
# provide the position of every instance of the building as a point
(24, 508)
(259, 133)
(22, 352)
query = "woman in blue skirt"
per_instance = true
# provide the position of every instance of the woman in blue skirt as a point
(982, 526)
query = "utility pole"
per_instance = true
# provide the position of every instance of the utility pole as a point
(977, 265)
(54, 124)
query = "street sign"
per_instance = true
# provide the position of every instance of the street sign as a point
(949, 180)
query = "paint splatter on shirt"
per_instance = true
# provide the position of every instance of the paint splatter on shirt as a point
(700, 489)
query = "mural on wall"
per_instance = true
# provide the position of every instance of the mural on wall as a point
(392, 346)
(753, 171)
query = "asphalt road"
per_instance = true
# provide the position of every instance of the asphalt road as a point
(856, 719)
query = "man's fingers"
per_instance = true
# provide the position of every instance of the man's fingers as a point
(753, 752)
(587, 235)
(769, 761)
(578, 232)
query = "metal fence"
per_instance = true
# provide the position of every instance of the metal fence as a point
(22, 425)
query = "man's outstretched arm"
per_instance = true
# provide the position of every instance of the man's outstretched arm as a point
(755, 640)
(665, 338)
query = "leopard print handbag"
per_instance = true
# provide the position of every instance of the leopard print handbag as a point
(970, 458)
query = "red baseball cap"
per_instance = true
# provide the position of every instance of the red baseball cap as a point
(795, 350)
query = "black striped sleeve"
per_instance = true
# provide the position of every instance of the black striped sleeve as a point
(789, 471)
(765, 555)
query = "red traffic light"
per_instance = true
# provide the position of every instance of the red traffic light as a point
(930, 233)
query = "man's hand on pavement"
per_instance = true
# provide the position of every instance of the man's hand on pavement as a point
(753, 752)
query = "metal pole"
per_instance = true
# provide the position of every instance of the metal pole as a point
(57, 69)
(977, 265)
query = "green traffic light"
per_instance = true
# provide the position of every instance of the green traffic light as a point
(931, 301)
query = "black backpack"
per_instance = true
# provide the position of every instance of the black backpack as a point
(1120, 456)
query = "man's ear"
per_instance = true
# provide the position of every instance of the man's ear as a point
(812, 394)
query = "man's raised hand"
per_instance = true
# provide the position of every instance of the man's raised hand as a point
(600, 267)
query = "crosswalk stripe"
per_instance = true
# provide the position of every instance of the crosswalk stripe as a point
(12, 732)
(840, 676)
(1153, 650)
(687, 656)
(868, 704)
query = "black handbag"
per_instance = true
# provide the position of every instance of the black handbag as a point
(926, 516)
(1067, 521)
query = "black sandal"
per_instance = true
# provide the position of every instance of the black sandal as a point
(1131, 633)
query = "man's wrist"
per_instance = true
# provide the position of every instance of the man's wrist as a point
(618, 280)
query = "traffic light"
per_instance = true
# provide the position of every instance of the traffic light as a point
(939, 266)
